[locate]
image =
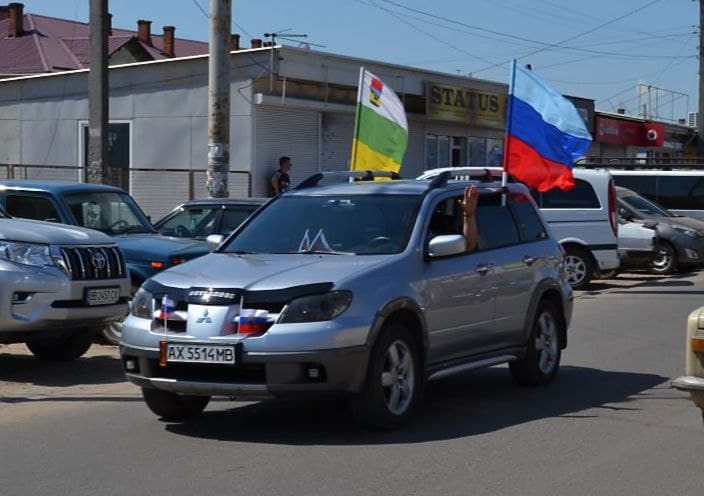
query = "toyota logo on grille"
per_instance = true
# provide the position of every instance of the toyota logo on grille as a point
(98, 260)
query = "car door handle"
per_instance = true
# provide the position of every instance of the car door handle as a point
(528, 260)
(484, 268)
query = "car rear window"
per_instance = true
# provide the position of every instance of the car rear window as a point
(581, 196)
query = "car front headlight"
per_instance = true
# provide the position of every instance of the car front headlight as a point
(316, 308)
(32, 254)
(685, 230)
(143, 304)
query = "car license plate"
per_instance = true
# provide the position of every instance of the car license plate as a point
(102, 296)
(199, 353)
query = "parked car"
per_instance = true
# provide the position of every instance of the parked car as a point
(679, 191)
(693, 381)
(198, 219)
(58, 286)
(365, 289)
(109, 210)
(681, 238)
(583, 220)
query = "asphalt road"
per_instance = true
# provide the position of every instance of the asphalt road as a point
(610, 424)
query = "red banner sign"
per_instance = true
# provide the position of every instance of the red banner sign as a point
(622, 132)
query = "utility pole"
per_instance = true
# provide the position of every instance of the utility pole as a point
(97, 170)
(700, 115)
(219, 99)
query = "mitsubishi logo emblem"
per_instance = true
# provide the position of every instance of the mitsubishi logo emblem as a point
(205, 318)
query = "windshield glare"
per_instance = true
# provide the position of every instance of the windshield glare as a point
(346, 224)
(644, 206)
(111, 213)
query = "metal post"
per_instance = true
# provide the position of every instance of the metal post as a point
(219, 99)
(97, 169)
(700, 116)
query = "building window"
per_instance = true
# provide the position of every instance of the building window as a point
(495, 152)
(477, 151)
(119, 152)
(445, 151)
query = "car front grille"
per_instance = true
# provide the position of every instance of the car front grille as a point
(92, 263)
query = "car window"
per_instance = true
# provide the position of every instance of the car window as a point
(644, 206)
(446, 218)
(496, 225)
(581, 196)
(643, 185)
(109, 212)
(232, 217)
(530, 227)
(681, 192)
(191, 222)
(357, 224)
(32, 207)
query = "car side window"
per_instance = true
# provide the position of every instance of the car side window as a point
(581, 196)
(495, 223)
(643, 185)
(32, 207)
(530, 227)
(446, 218)
(681, 192)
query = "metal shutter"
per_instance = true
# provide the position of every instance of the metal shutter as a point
(336, 140)
(284, 131)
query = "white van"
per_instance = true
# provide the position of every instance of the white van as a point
(680, 191)
(584, 220)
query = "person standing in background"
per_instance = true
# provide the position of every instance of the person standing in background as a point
(280, 180)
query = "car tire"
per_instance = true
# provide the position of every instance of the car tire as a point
(112, 333)
(393, 383)
(579, 267)
(174, 407)
(542, 359)
(666, 262)
(66, 348)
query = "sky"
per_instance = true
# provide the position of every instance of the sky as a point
(625, 53)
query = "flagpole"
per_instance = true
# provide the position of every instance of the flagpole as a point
(353, 160)
(507, 141)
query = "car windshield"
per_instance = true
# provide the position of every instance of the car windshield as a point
(190, 222)
(344, 225)
(109, 212)
(645, 206)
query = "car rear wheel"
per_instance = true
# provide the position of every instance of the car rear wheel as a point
(65, 348)
(666, 262)
(174, 407)
(394, 382)
(542, 360)
(578, 267)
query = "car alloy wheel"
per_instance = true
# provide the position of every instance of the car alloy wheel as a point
(546, 342)
(576, 269)
(398, 377)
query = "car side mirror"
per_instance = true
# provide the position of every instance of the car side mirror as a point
(446, 245)
(213, 241)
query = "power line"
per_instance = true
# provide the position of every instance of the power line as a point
(205, 13)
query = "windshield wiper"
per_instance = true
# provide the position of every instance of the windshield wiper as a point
(325, 252)
(132, 230)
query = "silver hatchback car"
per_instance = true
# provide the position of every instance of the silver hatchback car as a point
(361, 288)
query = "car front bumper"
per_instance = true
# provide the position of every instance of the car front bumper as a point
(695, 386)
(37, 302)
(256, 374)
(690, 251)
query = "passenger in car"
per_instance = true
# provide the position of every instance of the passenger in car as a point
(445, 218)
(469, 217)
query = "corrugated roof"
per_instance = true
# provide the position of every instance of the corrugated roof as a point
(51, 44)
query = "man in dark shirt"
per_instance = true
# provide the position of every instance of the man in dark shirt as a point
(280, 181)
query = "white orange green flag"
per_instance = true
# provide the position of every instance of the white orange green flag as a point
(380, 129)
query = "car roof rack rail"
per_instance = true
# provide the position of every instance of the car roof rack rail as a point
(370, 175)
(440, 177)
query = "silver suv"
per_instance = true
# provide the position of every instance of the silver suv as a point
(58, 286)
(362, 288)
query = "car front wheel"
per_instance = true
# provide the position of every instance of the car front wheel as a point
(542, 360)
(65, 348)
(174, 407)
(394, 381)
(666, 261)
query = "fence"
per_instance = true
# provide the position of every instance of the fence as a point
(156, 190)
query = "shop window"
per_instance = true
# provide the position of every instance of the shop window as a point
(495, 152)
(431, 151)
(458, 151)
(443, 151)
(477, 151)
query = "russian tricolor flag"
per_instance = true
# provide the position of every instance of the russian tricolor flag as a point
(544, 133)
